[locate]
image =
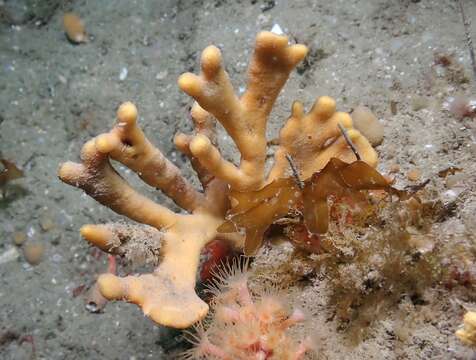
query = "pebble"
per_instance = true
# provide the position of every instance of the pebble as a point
(33, 252)
(19, 238)
(450, 195)
(62, 79)
(414, 174)
(472, 148)
(394, 168)
(74, 28)
(277, 29)
(263, 19)
(367, 123)
(9, 255)
(46, 222)
(393, 107)
(456, 179)
(123, 74)
(161, 75)
(419, 103)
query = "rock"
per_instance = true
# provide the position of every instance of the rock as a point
(394, 168)
(419, 103)
(367, 123)
(19, 238)
(455, 179)
(9, 255)
(74, 28)
(33, 252)
(161, 75)
(414, 174)
(46, 222)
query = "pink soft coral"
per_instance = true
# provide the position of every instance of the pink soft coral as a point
(247, 326)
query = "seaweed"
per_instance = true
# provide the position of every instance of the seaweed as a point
(254, 212)
(10, 172)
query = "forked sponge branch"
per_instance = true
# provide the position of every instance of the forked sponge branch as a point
(167, 295)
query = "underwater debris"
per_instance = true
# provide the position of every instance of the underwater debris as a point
(449, 171)
(9, 173)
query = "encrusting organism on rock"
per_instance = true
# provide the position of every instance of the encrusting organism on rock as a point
(168, 295)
